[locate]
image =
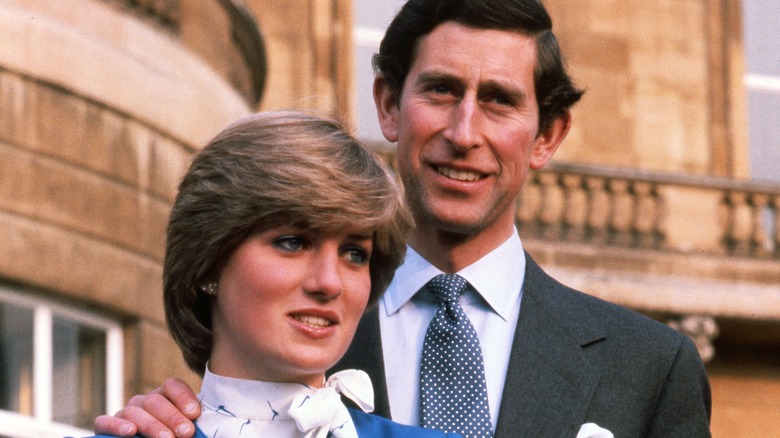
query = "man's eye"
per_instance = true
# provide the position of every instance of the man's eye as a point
(441, 89)
(502, 100)
(290, 243)
(357, 255)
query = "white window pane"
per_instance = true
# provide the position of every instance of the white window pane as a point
(762, 21)
(371, 13)
(367, 124)
(762, 61)
(16, 359)
(371, 18)
(79, 356)
(55, 373)
(764, 113)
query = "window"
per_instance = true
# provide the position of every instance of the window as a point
(59, 367)
(762, 81)
(371, 20)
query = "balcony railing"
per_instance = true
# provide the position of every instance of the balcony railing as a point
(632, 208)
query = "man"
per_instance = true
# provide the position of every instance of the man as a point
(475, 94)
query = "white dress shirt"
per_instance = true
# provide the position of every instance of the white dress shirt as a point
(492, 303)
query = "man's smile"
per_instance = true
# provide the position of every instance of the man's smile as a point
(460, 175)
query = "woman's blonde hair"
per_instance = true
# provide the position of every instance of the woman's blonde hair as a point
(283, 168)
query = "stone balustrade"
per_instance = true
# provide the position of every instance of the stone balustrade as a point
(639, 209)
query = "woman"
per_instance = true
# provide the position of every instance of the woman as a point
(284, 230)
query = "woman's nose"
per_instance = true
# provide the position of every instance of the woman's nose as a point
(324, 279)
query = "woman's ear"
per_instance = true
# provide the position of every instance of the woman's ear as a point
(548, 141)
(386, 103)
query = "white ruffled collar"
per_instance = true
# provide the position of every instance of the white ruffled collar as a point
(240, 405)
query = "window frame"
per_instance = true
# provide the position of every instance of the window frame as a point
(40, 424)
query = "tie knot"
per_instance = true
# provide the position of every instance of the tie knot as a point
(447, 287)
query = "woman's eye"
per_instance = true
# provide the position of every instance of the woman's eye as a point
(357, 255)
(290, 243)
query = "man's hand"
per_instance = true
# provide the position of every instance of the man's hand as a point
(166, 412)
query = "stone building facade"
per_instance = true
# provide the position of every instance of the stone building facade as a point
(649, 203)
(103, 102)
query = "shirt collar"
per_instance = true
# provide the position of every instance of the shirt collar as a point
(242, 398)
(497, 277)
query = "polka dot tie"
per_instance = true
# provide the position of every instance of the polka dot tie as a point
(452, 375)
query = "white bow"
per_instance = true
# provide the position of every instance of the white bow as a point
(321, 411)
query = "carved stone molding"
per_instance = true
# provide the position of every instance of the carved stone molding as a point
(702, 329)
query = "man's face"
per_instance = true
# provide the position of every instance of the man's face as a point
(466, 125)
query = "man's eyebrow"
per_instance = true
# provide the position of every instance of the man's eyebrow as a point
(432, 76)
(503, 87)
(489, 86)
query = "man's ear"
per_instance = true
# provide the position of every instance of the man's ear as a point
(386, 108)
(547, 143)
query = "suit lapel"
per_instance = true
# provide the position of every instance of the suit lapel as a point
(365, 353)
(550, 380)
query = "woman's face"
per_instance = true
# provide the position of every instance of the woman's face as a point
(288, 304)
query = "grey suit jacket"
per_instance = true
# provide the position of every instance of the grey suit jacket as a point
(577, 359)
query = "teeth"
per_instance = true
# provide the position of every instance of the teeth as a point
(460, 175)
(314, 321)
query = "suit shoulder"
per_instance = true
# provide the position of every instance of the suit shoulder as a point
(628, 323)
(586, 314)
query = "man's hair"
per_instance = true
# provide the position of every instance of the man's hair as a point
(555, 90)
(267, 170)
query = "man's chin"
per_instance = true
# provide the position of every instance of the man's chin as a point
(457, 227)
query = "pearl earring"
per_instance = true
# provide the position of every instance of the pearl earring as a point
(209, 288)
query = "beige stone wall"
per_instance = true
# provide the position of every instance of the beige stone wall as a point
(309, 54)
(102, 104)
(665, 96)
(100, 112)
(109, 56)
(745, 404)
(663, 82)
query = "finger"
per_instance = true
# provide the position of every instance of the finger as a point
(156, 414)
(138, 399)
(146, 424)
(182, 396)
(108, 425)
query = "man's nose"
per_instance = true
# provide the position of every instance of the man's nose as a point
(463, 129)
